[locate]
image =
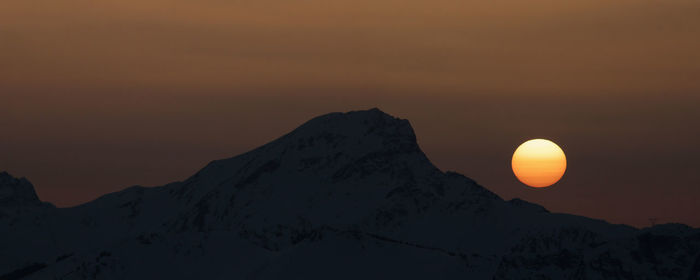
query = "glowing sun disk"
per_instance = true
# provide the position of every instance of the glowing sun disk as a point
(539, 163)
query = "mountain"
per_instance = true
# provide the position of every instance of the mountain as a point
(17, 196)
(344, 196)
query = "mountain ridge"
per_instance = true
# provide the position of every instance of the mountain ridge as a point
(342, 187)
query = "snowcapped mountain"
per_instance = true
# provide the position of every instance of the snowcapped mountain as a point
(17, 196)
(344, 196)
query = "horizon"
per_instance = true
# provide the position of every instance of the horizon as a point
(101, 96)
(652, 220)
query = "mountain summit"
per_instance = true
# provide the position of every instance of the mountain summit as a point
(14, 190)
(344, 196)
(18, 199)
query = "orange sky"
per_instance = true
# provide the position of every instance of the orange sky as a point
(97, 96)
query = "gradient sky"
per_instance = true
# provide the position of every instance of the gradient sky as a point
(99, 96)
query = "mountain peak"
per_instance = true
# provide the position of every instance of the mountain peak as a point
(358, 124)
(16, 191)
(341, 137)
(367, 161)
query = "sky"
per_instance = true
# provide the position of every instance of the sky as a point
(99, 96)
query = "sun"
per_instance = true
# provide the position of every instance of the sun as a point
(539, 163)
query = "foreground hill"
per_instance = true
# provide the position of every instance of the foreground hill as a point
(344, 196)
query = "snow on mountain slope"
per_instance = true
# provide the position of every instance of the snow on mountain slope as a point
(344, 192)
(23, 223)
(18, 198)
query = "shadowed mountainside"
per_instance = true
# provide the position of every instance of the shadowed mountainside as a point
(344, 196)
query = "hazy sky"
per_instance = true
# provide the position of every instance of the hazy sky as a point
(98, 96)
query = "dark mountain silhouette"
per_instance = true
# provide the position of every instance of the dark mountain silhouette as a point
(344, 196)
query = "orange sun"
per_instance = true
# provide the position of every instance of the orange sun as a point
(539, 163)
